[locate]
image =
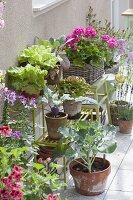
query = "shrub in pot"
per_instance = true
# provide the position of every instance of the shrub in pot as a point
(28, 80)
(89, 138)
(54, 117)
(75, 87)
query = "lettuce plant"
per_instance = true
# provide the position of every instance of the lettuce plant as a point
(39, 55)
(27, 79)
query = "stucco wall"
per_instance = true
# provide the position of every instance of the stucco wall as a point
(22, 27)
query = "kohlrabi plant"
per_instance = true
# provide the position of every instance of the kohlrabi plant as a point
(89, 139)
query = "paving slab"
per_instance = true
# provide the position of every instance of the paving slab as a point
(118, 195)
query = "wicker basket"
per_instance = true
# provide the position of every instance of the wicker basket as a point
(89, 73)
(112, 70)
(114, 107)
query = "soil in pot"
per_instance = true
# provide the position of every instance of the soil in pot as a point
(72, 108)
(94, 183)
(53, 124)
(125, 126)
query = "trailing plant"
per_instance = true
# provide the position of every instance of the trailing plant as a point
(89, 138)
(27, 79)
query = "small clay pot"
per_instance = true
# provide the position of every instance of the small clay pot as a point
(90, 184)
(72, 108)
(53, 124)
(125, 126)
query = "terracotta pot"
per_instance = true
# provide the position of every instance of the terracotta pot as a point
(125, 126)
(71, 107)
(54, 123)
(90, 184)
(45, 152)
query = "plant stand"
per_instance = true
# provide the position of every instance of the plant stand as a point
(100, 98)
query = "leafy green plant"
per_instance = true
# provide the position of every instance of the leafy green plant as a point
(39, 55)
(125, 112)
(27, 79)
(74, 86)
(89, 138)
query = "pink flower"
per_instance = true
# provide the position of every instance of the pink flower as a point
(16, 194)
(105, 37)
(4, 193)
(79, 31)
(48, 159)
(52, 197)
(112, 43)
(17, 176)
(2, 23)
(40, 160)
(17, 169)
(90, 32)
(5, 131)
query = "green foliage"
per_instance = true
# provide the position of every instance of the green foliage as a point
(27, 79)
(74, 86)
(92, 51)
(41, 180)
(88, 138)
(39, 55)
(125, 112)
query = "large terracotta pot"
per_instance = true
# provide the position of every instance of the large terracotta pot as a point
(72, 108)
(125, 126)
(54, 123)
(90, 184)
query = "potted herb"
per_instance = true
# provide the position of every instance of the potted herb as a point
(76, 88)
(28, 80)
(87, 52)
(89, 138)
(54, 117)
(125, 118)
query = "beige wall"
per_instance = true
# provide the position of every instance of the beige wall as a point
(22, 27)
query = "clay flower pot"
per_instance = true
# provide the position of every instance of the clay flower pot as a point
(90, 184)
(53, 124)
(125, 126)
(72, 107)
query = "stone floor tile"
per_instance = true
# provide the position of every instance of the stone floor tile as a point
(123, 181)
(118, 195)
(71, 194)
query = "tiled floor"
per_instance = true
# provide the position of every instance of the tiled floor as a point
(120, 182)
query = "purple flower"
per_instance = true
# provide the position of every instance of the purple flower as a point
(23, 99)
(90, 32)
(10, 95)
(32, 102)
(130, 56)
(2, 23)
(121, 42)
(112, 43)
(105, 37)
(79, 31)
(16, 135)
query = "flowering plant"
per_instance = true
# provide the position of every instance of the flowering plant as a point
(85, 46)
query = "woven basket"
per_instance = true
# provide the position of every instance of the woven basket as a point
(89, 73)
(114, 107)
(112, 70)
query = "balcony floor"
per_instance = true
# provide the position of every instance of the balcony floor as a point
(120, 182)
